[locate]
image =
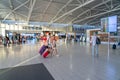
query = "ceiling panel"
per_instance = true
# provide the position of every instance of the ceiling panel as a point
(44, 10)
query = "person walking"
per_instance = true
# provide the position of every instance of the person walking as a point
(94, 45)
(7, 41)
(54, 45)
(48, 38)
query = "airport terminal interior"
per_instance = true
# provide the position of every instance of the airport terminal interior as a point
(59, 39)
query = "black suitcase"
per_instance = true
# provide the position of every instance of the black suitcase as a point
(114, 46)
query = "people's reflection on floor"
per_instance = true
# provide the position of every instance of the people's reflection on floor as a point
(16, 48)
(6, 49)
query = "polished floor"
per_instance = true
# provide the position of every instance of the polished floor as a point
(74, 62)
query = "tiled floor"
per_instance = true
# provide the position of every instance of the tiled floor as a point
(74, 63)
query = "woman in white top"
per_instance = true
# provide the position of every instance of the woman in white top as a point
(55, 52)
(48, 38)
(94, 45)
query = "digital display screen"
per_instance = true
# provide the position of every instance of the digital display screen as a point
(109, 24)
(78, 28)
(112, 23)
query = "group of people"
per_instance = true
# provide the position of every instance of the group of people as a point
(48, 45)
(6, 41)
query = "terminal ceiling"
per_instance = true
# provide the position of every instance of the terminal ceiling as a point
(59, 11)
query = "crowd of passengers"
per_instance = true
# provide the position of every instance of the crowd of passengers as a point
(6, 41)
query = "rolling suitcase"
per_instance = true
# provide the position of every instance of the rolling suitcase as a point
(45, 54)
(42, 49)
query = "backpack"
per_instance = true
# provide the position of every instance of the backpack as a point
(98, 40)
(114, 46)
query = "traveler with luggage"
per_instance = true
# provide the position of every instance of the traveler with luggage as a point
(45, 50)
(95, 41)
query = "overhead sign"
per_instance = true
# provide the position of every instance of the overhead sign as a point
(109, 24)
(78, 29)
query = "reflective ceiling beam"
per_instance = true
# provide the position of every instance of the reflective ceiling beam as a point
(78, 21)
(20, 14)
(9, 10)
(14, 10)
(89, 10)
(107, 6)
(21, 3)
(31, 9)
(79, 2)
(73, 10)
(60, 10)
(91, 20)
(94, 22)
(12, 7)
(46, 9)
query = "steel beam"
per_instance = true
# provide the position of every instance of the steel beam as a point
(60, 10)
(46, 9)
(94, 22)
(12, 7)
(73, 10)
(78, 21)
(20, 14)
(14, 10)
(91, 20)
(89, 10)
(21, 3)
(30, 11)
(79, 2)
